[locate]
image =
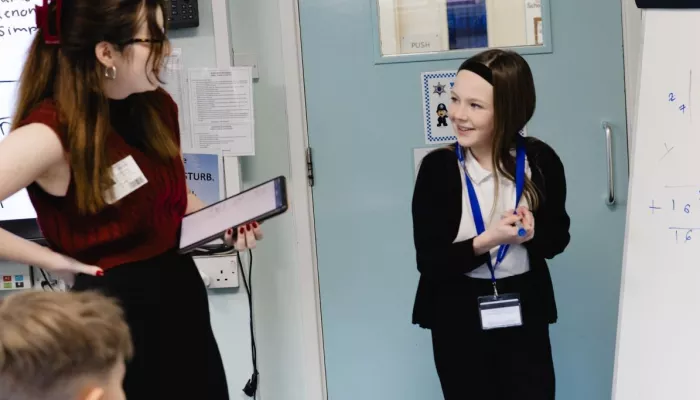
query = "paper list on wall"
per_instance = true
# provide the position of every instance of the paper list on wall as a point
(221, 104)
(176, 85)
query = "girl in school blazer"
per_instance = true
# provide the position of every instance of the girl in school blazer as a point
(487, 213)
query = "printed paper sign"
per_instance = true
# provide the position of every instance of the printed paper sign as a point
(436, 88)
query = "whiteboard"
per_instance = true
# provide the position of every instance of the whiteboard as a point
(658, 339)
(17, 30)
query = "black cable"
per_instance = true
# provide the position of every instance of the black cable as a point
(46, 282)
(251, 386)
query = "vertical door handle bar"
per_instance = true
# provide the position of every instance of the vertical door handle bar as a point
(610, 200)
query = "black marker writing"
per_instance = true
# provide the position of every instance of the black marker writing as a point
(9, 31)
(21, 13)
(4, 127)
(18, 22)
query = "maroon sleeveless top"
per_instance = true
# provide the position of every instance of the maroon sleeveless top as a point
(141, 225)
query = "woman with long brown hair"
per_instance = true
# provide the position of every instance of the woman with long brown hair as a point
(96, 143)
(485, 290)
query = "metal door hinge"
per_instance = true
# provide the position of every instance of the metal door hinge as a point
(310, 167)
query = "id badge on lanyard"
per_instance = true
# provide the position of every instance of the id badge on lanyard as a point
(499, 310)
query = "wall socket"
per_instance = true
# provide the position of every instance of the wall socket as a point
(218, 271)
(14, 276)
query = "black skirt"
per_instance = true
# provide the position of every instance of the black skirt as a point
(167, 309)
(500, 364)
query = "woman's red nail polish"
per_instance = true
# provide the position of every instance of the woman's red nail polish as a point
(255, 224)
(248, 227)
(100, 273)
(230, 231)
(242, 230)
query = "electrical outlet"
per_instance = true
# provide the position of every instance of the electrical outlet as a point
(218, 271)
(14, 276)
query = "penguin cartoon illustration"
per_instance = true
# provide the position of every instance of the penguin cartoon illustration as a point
(442, 114)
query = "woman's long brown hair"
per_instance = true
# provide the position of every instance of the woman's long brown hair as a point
(70, 74)
(514, 104)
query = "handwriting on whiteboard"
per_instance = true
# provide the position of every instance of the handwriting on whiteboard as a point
(683, 106)
(18, 21)
(4, 126)
(668, 150)
(673, 99)
(682, 208)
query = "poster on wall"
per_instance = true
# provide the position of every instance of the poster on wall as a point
(204, 174)
(436, 88)
(533, 22)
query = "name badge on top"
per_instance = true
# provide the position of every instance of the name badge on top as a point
(500, 311)
(127, 178)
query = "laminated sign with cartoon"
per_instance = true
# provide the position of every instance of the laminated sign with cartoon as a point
(436, 96)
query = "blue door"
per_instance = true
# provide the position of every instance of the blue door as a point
(364, 120)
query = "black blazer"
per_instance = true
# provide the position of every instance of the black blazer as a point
(444, 291)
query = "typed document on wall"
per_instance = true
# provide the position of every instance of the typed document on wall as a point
(221, 110)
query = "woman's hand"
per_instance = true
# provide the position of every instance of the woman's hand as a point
(244, 237)
(65, 268)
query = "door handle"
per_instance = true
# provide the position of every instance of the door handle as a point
(610, 200)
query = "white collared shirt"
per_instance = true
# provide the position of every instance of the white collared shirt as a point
(516, 260)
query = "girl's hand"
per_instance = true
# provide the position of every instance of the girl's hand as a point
(244, 237)
(504, 231)
(528, 221)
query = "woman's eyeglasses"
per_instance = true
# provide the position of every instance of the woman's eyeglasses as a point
(148, 41)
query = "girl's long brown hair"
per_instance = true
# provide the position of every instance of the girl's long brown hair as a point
(514, 104)
(70, 74)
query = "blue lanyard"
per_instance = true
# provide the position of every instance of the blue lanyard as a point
(474, 201)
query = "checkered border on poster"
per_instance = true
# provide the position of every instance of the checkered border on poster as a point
(427, 106)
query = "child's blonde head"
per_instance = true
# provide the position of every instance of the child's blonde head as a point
(57, 345)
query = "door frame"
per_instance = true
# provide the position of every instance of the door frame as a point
(302, 206)
(632, 41)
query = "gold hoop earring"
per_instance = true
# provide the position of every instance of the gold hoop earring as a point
(111, 73)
